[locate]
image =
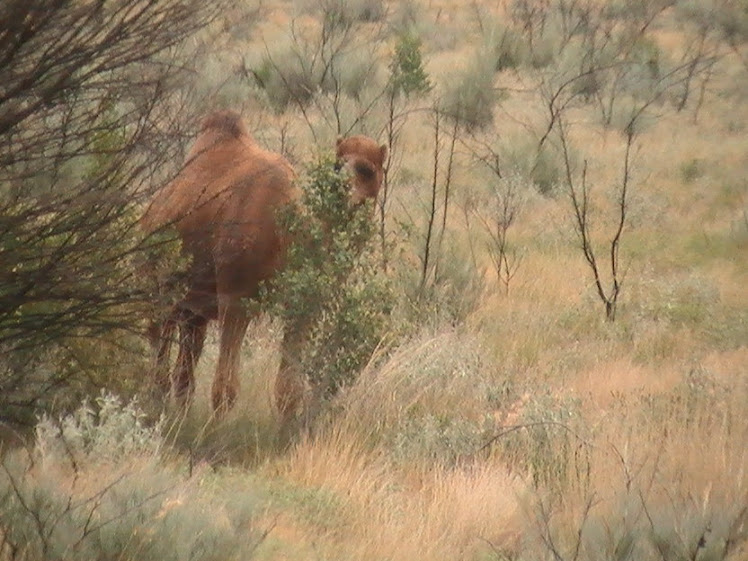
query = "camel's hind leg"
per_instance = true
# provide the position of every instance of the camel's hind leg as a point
(161, 337)
(233, 321)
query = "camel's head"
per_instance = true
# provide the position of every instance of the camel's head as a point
(364, 159)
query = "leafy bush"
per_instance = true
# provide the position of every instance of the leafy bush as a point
(470, 98)
(541, 166)
(331, 293)
(298, 69)
(355, 73)
(636, 526)
(506, 47)
(287, 76)
(730, 18)
(333, 58)
(140, 515)
(407, 17)
(454, 294)
(408, 75)
(691, 170)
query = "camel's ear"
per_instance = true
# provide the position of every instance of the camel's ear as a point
(338, 142)
(383, 151)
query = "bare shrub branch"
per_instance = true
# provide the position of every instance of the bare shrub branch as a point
(93, 104)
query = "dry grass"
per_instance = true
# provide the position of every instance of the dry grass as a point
(424, 514)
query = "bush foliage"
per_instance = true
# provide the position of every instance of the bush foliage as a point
(331, 292)
(471, 98)
(407, 72)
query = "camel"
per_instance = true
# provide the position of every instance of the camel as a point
(223, 204)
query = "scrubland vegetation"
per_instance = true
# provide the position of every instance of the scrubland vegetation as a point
(540, 354)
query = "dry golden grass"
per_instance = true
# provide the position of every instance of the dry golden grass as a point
(423, 514)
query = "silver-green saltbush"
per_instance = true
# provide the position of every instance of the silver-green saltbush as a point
(95, 486)
(108, 429)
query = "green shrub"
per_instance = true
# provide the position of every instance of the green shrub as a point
(583, 71)
(588, 84)
(691, 170)
(298, 69)
(75, 170)
(506, 47)
(449, 297)
(286, 76)
(642, 70)
(456, 292)
(646, 53)
(356, 73)
(543, 52)
(638, 527)
(331, 290)
(546, 171)
(142, 514)
(407, 73)
(470, 97)
(407, 17)
(730, 18)
(364, 10)
(542, 167)
(83, 277)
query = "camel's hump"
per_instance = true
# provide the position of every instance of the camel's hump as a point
(224, 121)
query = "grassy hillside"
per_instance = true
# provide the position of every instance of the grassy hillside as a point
(503, 416)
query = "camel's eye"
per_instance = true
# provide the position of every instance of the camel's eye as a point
(364, 170)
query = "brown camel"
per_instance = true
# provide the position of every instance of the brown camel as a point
(223, 204)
